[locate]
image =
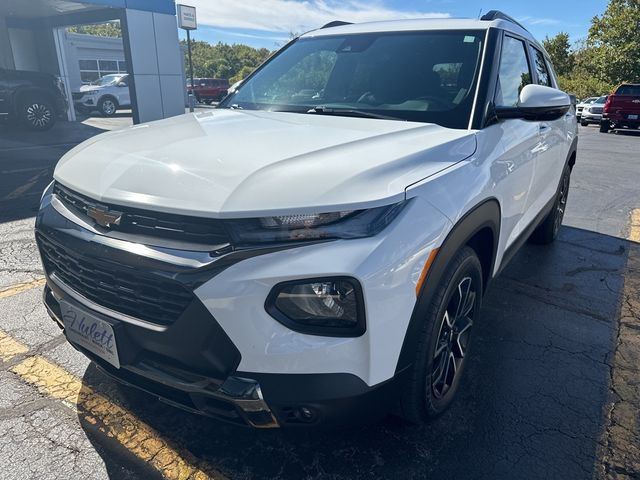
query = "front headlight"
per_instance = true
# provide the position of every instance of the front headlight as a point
(331, 307)
(292, 228)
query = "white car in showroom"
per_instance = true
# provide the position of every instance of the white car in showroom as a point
(315, 251)
(106, 95)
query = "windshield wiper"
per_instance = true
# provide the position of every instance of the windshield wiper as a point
(349, 112)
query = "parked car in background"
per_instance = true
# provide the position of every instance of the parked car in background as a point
(593, 113)
(34, 99)
(584, 103)
(207, 90)
(106, 95)
(327, 260)
(622, 108)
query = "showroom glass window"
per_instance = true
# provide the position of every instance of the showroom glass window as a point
(514, 72)
(91, 69)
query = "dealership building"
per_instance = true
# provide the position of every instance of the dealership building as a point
(34, 36)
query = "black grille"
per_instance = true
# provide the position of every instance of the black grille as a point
(118, 287)
(200, 231)
(77, 95)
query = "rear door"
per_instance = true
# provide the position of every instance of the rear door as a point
(124, 91)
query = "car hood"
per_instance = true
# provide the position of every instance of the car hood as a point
(233, 163)
(90, 88)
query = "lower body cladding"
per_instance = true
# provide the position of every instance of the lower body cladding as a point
(200, 337)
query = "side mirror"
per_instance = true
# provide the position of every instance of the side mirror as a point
(537, 102)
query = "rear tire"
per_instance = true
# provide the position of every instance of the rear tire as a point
(442, 351)
(604, 126)
(548, 230)
(37, 113)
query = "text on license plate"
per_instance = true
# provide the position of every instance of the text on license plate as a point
(90, 332)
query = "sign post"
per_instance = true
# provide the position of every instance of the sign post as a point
(187, 21)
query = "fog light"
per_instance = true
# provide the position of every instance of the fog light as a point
(330, 307)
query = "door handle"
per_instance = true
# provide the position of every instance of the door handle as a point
(544, 127)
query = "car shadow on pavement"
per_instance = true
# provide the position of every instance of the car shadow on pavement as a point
(532, 404)
(27, 161)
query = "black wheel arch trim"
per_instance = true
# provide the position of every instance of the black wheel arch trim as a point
(484, 215)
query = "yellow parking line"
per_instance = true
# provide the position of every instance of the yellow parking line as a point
(9, 347)
(114, 421)
(634, 232)
(21, 287)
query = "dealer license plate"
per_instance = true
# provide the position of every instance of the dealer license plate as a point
(90, 332)
(633, 117)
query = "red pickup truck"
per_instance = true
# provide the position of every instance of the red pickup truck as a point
(622, 108)
(208, 89)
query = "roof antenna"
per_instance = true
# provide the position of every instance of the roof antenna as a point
(479, 14)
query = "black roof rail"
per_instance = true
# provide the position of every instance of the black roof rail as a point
(497, 14)
(336, 23)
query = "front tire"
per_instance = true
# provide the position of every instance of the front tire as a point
(445, 336)
(108, 106)
(548, 230)
(37, 114)
(584, 123)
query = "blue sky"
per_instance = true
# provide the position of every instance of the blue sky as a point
(267, 23)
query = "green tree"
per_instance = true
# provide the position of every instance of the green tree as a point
(614, 40)
(109, 29)
(559, 49)
(583, 85)
(223, 60)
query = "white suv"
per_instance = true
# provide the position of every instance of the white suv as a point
(316, 249)
(106, 95)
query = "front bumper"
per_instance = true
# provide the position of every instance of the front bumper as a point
(81, 100)
(224, 355)
(591, 117)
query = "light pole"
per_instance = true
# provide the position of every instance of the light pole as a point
(187, 21)
(193, 88)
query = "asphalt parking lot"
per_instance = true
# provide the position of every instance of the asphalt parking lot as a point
(552, 389)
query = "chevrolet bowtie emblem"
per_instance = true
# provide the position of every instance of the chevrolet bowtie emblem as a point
(104, 216)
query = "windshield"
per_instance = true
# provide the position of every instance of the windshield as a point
(601, 100)
(425, 76)
(106, 80)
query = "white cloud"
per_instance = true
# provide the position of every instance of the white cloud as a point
(295, 16)
(540, 21)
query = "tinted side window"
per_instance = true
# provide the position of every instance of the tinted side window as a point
(544, 78)
(514, 72)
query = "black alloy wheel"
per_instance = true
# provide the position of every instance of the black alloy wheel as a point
(453, 338)
(38, 115)
(447, 321)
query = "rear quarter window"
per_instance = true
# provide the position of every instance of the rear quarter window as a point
(542, 70)
(633, 90)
